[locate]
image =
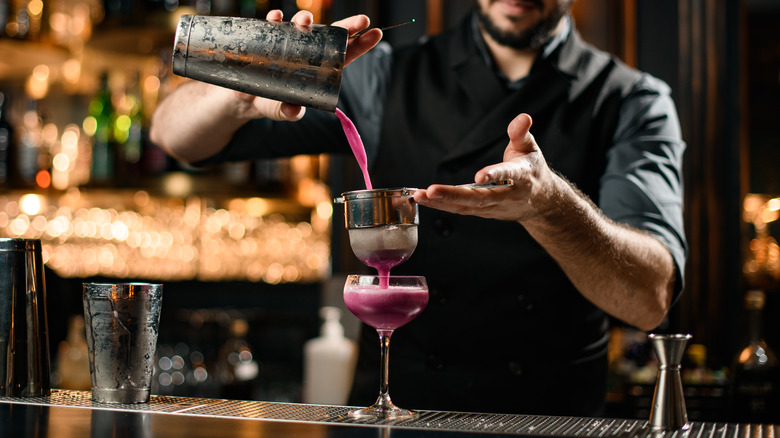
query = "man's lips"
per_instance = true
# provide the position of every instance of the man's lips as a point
(519, 7)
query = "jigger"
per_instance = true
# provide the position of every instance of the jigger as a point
(382, 224)
(668, 410)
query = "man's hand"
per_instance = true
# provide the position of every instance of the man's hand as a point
(198, 119)
(627, 273)
(355, 48)
(523, 164)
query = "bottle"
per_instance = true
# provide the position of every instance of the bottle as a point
(695, 370)
(30, 141)
(271, 175)
(329, 362)
(129, 132)
(755, 388)
(17, 19)
(6, 144)
(101, 111)
(237, 369)
(73, 357)
(4, 11)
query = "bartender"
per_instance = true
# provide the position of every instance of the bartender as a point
(523, 278)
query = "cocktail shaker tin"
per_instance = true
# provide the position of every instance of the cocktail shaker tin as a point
(24, 332)
(277, 60)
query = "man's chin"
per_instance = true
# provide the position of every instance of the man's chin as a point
(512, 24)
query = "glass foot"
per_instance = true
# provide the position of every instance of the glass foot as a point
(382, 410)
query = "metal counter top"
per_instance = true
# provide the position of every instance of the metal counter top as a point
(73, 414)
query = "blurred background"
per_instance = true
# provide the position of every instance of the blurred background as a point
(249, 252)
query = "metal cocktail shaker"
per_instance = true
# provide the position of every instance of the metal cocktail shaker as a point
(24, 332)
(277, 60)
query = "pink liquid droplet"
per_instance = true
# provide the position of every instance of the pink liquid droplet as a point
(356, 144)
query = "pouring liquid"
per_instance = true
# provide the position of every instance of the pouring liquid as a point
(381, 248)
(356, 144)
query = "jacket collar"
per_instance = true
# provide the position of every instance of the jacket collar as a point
(550, 77)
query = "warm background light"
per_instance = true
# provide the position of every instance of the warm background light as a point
(133, 234)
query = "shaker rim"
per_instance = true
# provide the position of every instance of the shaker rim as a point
(375, 193)
(12, 244)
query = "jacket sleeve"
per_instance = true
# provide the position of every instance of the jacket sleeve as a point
(643, 182)
(361, 98)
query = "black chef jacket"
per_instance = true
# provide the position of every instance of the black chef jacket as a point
(504, 330)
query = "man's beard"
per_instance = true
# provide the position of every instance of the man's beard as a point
(533, 38)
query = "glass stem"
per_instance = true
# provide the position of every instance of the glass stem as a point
(384, 371)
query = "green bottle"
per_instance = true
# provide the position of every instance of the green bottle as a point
(103, 153)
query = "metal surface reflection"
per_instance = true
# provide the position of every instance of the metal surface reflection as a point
(24, 333)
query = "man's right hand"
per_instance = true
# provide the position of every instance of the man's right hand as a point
(198, 119)
(355, 48)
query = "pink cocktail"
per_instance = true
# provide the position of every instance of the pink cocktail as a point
(386, 309)
(385, 304)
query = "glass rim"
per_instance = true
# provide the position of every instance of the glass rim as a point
(358, 280)
(125, 283)
(123, 291)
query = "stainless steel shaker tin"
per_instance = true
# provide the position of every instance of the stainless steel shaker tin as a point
(277, 60)
(24, 331)
(379, 207)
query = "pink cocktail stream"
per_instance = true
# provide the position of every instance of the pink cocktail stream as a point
(356, 144)
(383, 261)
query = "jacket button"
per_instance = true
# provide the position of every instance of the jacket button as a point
(515, 368)
(443, 227)
(525, 303)
(435, 362)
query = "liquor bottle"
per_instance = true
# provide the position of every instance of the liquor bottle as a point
(129, 133)
(29, 148)
(271, 175)
(101, 110)
(237, 369)
(17, 19)
(7, 144)
(755, 389)
(73, 357)
(24, 19)
(5, 9)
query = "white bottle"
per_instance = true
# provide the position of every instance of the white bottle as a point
(329, 362)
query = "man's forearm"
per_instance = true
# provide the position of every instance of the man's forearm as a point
(196, 121)
(625, 272)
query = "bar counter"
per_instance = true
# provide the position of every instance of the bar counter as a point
(67, 414)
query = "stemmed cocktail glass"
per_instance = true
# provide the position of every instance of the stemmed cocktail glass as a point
(385, 303)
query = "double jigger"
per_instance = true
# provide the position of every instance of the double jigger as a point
(668, 410)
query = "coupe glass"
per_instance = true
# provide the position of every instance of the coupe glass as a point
(385, 303)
